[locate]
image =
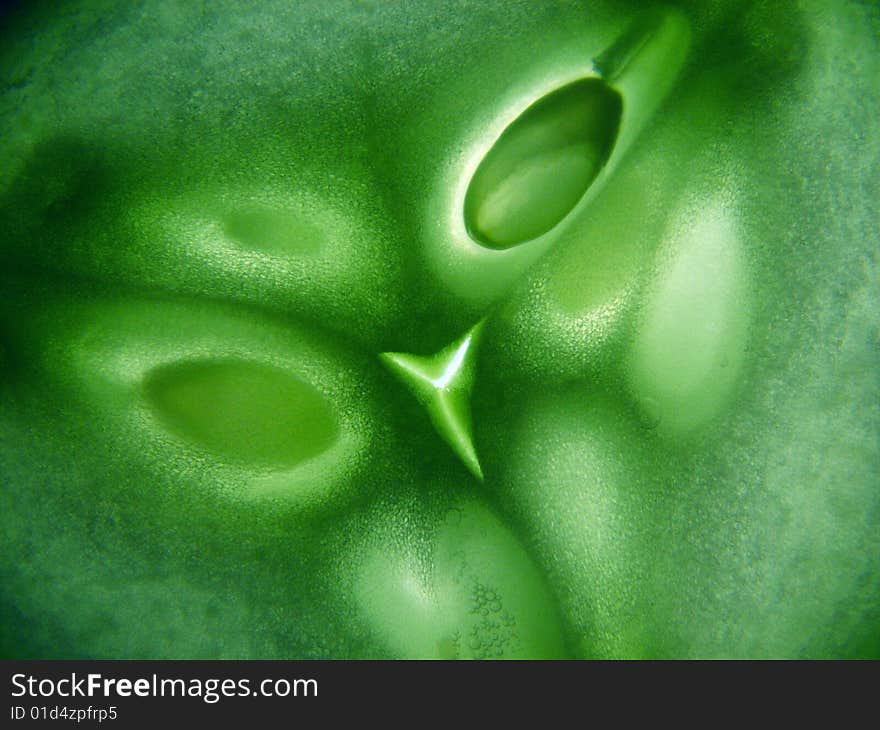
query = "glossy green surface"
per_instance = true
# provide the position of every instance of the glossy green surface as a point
(449, 330)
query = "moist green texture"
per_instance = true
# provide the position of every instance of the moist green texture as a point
(241, 246)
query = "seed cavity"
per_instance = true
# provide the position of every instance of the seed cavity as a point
(273, 230)
(690, 344)
(243, 411)
(542, 164)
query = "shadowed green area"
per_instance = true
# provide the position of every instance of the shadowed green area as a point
(243, 411)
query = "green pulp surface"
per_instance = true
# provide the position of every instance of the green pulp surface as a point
(459, 329)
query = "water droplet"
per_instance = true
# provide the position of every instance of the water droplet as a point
(245, 411)
(542, 164)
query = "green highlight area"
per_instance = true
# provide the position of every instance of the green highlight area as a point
(244, 411)
(542, 164)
